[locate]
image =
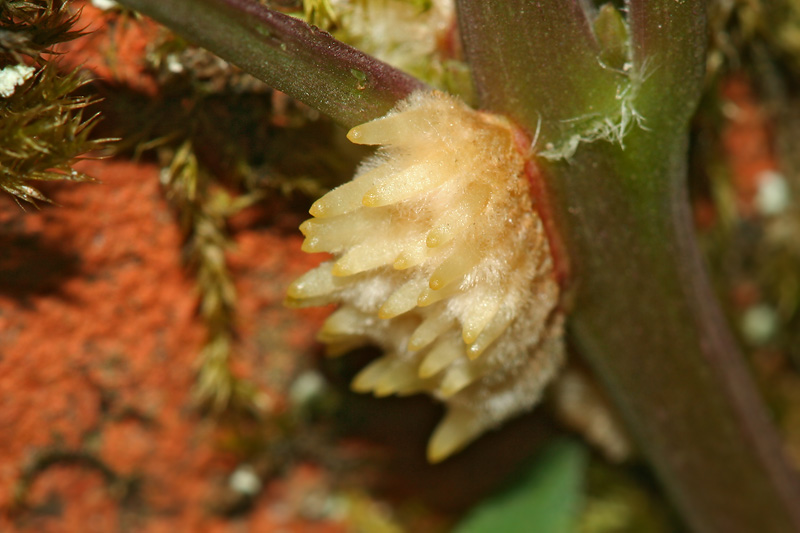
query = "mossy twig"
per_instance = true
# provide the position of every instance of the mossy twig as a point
(202, 212)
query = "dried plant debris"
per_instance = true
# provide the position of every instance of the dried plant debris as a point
(581, 404)
(780, 27)
(320, 13)
(744, 32)
(202, 211)
(174, 59)
(44, 131)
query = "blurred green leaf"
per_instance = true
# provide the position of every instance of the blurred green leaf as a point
(546, 499)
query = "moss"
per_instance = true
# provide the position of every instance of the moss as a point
(32, 28)
(44, 128)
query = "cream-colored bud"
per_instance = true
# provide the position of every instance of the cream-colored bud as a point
(440, 259)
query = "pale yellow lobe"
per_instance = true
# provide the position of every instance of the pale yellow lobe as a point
(463, 259)
(347, 197)
(430, 330)
(402, 300)
(344, 321)
(408, 127)
(317, 282)
(366, 380)
(477, 318)
(453, 433)
(440, 356)
(412, 256)
(398, 379)
(440, 259)
(456, 220)
(455, 380)
(430, 296)
(487, 337)
(405, 184)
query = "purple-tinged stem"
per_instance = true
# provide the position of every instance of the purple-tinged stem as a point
(287, 54)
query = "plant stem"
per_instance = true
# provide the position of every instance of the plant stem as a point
(645, 318)
(288, 54)
(642, 312)
(576, 83)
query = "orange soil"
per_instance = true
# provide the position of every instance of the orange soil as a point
(99, 335)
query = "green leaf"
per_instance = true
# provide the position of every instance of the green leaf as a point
(547, 497)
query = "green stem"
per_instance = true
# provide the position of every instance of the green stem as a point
(641, 309)
(288, 54)
(645, 318)
(524, 28)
